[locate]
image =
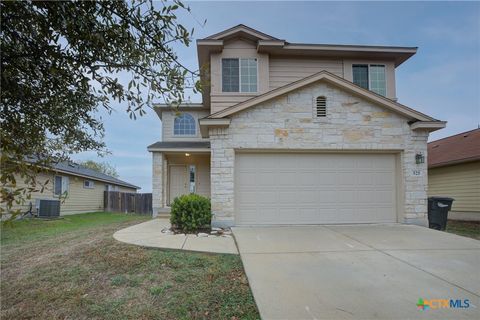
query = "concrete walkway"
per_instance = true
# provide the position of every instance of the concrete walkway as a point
(149, 234)
(359, 272)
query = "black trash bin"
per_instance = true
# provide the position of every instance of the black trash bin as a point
(438, 208)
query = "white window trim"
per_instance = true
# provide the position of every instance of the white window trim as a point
(91, 184)
(370, 78)
(185, 135)
(239, 76)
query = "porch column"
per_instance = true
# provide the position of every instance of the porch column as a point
(157, 182)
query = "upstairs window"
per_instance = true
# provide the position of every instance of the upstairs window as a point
(184, 125)
(321, 107)
(239, 75)
(360, 75)
(371, 77)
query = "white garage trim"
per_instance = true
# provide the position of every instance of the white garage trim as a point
(316, 188)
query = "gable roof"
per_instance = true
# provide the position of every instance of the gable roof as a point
(459, 148)
(268, 44)
(240, 30)
(333, 79)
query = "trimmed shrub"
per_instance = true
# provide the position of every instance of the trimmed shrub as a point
(190, 212)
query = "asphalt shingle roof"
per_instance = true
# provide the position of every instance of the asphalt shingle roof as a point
(462, 147)
(77, 169)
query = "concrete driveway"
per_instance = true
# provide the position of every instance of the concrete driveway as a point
(359, 272)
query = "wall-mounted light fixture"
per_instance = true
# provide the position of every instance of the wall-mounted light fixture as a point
(419, 158)
(187, 154)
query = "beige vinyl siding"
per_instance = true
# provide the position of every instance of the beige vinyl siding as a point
(223, 101)
(78, 198)
(287, 70)
(237, 48)
(47, 193)
(168, 117)
(461, 182)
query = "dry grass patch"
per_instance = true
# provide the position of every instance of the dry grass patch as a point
(469, 229)
(84, 273)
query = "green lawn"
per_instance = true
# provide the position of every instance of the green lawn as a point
(72, 268)
(37, 229)
(464, 228)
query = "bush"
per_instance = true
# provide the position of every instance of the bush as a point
(190, 212)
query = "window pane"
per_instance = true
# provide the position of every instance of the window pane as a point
(248, 75)
(184, 125)
(377, 79)
(58, 185)
(360, 75)
(192, 179)
(230, 75)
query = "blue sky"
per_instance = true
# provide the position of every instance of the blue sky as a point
(441, 80)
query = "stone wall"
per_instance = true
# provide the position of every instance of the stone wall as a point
(157, 182)
(288, 122)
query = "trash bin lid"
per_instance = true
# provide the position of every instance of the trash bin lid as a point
(440, 198)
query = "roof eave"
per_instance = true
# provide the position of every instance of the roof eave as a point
(430, 126)
(207, 123)
(189, 150)
(159, 108)
(453, 162)
(94, 178)
(281, 47)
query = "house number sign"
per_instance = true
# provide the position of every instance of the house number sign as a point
(416, 172)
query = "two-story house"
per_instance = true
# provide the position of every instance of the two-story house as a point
(291, 133)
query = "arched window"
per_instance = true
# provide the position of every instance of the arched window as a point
(321, 107)
(184, 125)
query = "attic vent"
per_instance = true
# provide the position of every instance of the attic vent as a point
(321, 107)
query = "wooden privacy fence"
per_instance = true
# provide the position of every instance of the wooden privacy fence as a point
(116, 201)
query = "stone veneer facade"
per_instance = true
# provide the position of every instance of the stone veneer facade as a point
(158, 182)
(287, 123)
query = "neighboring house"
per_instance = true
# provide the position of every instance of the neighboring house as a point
(295, 134)
(454, 171)
(80, 189)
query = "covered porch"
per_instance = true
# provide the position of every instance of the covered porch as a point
(178, 168)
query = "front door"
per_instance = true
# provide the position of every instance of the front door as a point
(178, 181)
